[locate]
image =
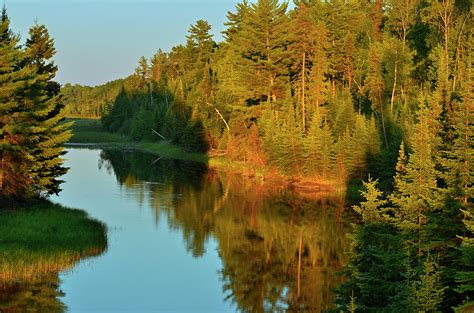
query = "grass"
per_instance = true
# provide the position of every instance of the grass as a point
(97, 137)
(90, 131)
(45, 239)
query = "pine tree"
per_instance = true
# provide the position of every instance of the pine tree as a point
(415, 185)
(375, 85)
(15, 111)
(372, 209)
(261, 45)
(50, 132)
(290, 145)
(428, 291)
(318, 147)
(465, 276)
(318, 86)
(301, 38)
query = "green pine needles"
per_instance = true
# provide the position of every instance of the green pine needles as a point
(31, 132)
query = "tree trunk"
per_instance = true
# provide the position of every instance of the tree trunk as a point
(303, 88)
(333, 83)
(394, 87)
(383, 125)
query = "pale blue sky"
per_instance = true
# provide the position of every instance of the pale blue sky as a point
(101, 40)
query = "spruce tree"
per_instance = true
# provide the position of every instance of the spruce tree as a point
(416, 190)
(50, 132)
(16, 132)
(318, 147)
(465, 275)
(372, 209)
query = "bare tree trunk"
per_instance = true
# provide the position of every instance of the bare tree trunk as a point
(303, 80)
(394, 87)
(333, 83)
(383, 125)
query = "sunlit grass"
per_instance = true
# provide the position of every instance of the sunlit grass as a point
(97, 137)
(45, 239)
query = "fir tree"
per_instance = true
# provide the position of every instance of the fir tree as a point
(428, 291)
(416, 187)
(50, 132)
(318, 147)
(16, 131)
(372, 209)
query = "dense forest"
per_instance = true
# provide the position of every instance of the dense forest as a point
(333, 90)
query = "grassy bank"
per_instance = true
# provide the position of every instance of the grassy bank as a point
(44, 239)
(90, 132)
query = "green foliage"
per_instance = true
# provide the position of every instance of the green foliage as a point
(428, 291)
(31, 132)
(318, 147)
(45, 239)
(372, 209)
(416, 191)
(313, 91)
(377, 271)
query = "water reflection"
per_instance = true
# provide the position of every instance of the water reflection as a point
(280, 251)
(38, 296)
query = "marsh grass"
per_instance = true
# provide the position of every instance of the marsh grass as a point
(44, 239)
(91, 131)
(97, 137)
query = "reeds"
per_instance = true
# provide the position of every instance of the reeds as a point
(46, 239)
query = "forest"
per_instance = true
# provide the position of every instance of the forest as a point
(372, 93)
(337, 92)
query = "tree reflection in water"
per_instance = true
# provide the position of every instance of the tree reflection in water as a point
(280, 251)
(41, 295)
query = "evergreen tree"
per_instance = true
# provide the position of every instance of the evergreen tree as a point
(318, 145)
(16, 132)
(428, 291)
(261, 45)
(465, 276)
(318, 86)
(49, 132)
(416, 188)
(372, 209)
(376, 86)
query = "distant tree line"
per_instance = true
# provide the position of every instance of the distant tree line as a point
(31, 132)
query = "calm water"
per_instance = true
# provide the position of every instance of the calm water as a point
(183, 238)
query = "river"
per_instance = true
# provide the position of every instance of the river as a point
(184, 238)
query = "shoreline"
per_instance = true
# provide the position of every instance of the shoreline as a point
(305, 185)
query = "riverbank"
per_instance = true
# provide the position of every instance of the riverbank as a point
(89, 133)
(46, 238)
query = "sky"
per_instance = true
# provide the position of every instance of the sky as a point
(101, 40)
